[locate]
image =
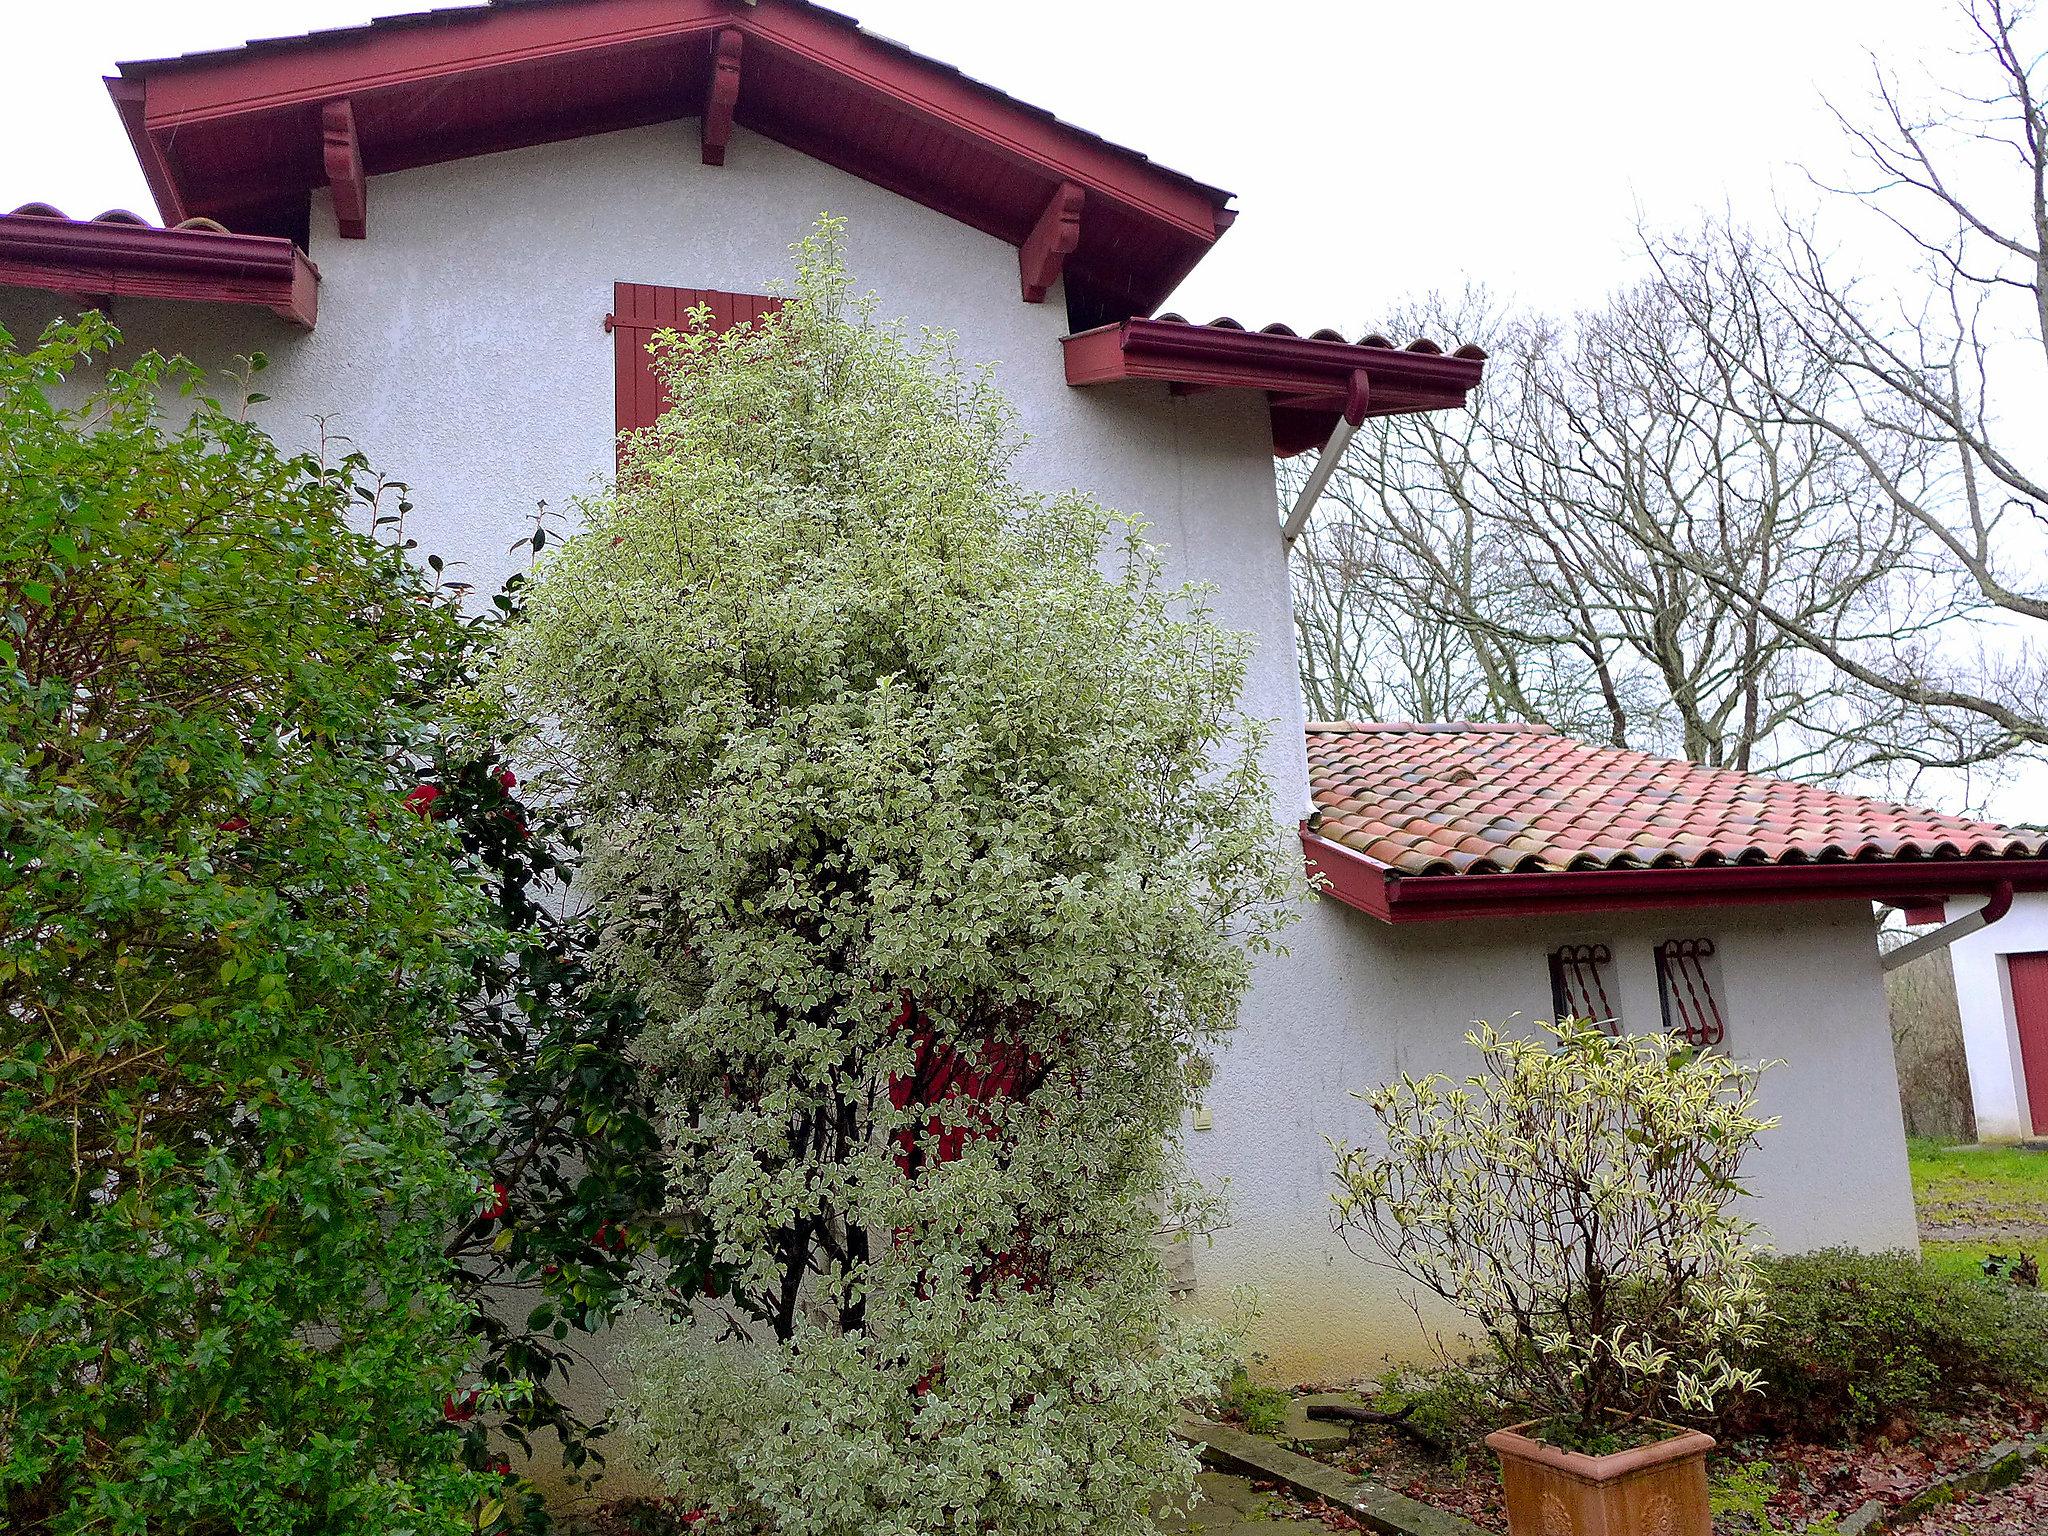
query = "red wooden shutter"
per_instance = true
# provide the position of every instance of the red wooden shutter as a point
(2029, 977)
(641, 309)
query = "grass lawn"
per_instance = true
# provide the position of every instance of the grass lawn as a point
(1978, 1200)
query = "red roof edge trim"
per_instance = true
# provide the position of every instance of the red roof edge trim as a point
(423, 91)
(1308, 379)
(1357, 881)
(100, 259)
(130, 97)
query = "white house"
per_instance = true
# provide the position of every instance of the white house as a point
(2001, 972)
(452, 234)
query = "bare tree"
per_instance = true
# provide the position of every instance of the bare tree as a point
(1540, 557)
(1939, 379)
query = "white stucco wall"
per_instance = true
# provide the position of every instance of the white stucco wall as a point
(461, 347)
(1998, 1083)
(1360, 1001)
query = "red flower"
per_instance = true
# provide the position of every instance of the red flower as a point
(235, 824)
(507, 780)
(459, 1410)
(499, 1203)
(608, 1237)
(500, 1465)
(420, 802)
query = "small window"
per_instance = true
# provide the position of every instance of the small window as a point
(641, 309)
(1582, 985)
(1689, 982)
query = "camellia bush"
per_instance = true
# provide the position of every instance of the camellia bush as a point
(1575, 1198)
(923, 821)
(230, 959)
(553, 1116)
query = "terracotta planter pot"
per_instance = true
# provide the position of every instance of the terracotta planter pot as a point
(1652, 1490)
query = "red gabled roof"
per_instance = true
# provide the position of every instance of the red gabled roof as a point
(236, 134)
(1476, 819)
(1307, 379)
(118, 255)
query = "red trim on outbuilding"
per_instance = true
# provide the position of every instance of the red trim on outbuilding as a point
(1357, 881)
(122, 257)
(236, 135)
(1310, 381)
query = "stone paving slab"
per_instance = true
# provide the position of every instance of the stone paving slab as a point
(1379, 1509)
(1306, 1433)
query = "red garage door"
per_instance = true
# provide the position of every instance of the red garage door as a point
(2029, 974)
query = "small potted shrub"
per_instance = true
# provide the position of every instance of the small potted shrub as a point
(1574, 1198)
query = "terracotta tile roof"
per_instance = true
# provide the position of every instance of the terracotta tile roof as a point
(1373, 340)
(120, 216)
(1466, 798)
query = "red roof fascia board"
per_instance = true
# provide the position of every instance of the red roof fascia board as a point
(1033, 138)
(96, 259)
(1350, 877)
(1306, 377)
(1156, 222)
(127, 95)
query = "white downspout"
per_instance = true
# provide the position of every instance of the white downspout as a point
(1969, 923)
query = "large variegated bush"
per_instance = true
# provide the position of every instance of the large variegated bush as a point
(922, 818)
(1575, 1198)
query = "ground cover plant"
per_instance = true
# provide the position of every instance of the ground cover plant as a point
(1859, 1342)
(923, 822)
(229, 960)
(1574, 1198)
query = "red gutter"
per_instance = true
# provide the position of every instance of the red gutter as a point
(98, 259)
(1215, 355)
(1308, 379)
(1391, 897)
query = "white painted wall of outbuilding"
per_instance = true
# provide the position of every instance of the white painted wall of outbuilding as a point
(1991, 1039)
(1359, 1002)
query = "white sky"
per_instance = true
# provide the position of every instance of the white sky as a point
(1375, 148)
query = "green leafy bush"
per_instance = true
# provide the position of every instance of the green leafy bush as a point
(229, 961)
(552, 1114)
(1574, 1198)
(1450, 1408)
(923, 821)
(1261, 1410)
(1855, 1342)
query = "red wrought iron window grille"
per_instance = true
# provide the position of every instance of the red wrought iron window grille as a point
(1688, 983)
(1582, 985)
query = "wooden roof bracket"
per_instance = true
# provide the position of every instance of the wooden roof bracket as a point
(1043, 255)
(342, 156)
(722, 94)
